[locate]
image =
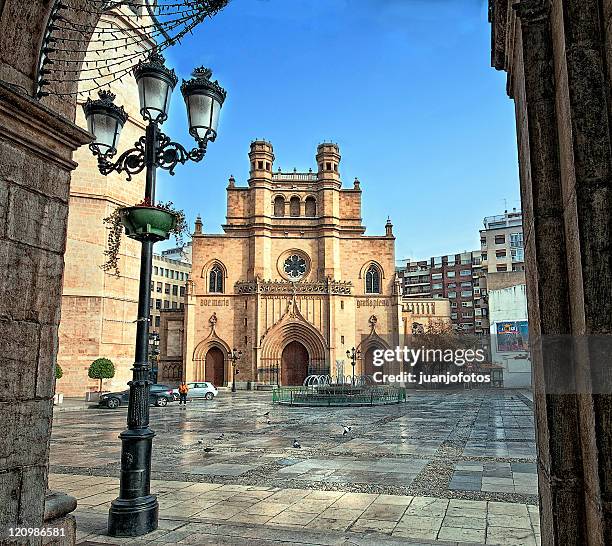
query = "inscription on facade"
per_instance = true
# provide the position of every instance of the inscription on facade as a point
(372, 302)
(215, 303)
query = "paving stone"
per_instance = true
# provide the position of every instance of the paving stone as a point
(505, 520)
(242, 517)
(355, 500)
(421, 522)
(508, 508)
(510, 536)
(394, 499)
(380, 526)
(330, 524)
(414, 533)
(350, 514)
(267, 508)
(293, 518)
(466, 522)
(461, 534)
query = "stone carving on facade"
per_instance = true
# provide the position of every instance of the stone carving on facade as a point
(211, 340)
(372, 322)
(372, 339)
(292, 314)
(258, 286)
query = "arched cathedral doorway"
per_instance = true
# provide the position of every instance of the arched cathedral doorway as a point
(294, 364)
(368, 362)
(215, 367)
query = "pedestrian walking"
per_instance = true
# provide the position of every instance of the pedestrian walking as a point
(183, 390)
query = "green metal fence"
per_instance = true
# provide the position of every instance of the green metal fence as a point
(340, 395)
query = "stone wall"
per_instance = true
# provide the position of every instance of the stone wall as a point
(35, 164)
(557, 54)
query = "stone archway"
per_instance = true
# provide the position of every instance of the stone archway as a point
(209, 361)
(214, 367)
(41, 169)
(368, 361)
(292, 327)
(294, 364)
(37, 142)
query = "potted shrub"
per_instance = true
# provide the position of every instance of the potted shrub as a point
(143, 222)
(58, 398)
(101, 368)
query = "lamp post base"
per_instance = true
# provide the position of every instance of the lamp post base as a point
(133, 517)
(135, 511)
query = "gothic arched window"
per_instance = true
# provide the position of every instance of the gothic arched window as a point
(279, 206)
(294, 206)
(215, 282)
(372, 279)
(311, 206)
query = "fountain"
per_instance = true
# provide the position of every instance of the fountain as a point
(321, 390)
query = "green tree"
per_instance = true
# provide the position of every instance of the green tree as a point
(58, 371)
(101, 368)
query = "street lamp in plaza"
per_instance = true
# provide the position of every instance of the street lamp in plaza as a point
(233, 357)
(353, 354)
(135, 511)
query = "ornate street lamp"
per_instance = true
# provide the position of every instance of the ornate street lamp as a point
(155, 86)
(233, 357)
(135, 511)
(353, 354)
(104, 121)
(203, 99)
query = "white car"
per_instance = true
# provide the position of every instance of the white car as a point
(199, 389)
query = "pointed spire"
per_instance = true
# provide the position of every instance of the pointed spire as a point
(198, 225)
(389, 227)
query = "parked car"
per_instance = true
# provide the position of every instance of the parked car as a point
(159, 395)
(199, 389)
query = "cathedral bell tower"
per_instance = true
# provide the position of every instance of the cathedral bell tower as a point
(262, 161)
(328, 161)
(261, 157)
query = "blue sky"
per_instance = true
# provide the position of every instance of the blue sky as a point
(404, 87)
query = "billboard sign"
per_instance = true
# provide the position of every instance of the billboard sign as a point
(512, 336)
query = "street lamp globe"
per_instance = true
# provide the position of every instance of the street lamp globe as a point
(204, 99)
(155, 85)
(104, 120)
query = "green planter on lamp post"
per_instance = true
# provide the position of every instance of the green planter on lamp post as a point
(147, 223)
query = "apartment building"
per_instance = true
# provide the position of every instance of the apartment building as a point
(501, 243)
(181, 253)
(455, 277)
(167, 287)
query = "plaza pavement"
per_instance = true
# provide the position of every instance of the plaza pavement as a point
(446, 467)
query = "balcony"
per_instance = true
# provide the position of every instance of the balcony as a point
(294, 177)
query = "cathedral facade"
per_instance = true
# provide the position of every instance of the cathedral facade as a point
(293, 283)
